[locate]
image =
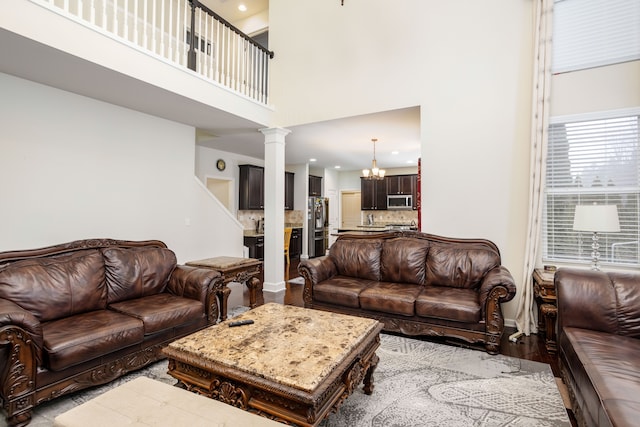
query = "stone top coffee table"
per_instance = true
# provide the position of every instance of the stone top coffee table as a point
(293, 365)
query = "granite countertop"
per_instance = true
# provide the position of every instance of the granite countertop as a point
(248, 232)
(281, 346)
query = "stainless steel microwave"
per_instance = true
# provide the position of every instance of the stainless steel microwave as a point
(399, 201)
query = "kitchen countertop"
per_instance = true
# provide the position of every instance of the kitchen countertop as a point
(375, 228)
(253, 233)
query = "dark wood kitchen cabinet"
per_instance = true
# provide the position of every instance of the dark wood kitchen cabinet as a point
(315, 185)
(251, 188)
(256, 246)
(295, 246)
(401, 184)
(289, 179)
(373, 194)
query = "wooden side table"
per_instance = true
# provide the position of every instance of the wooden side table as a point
(544, 292)
(233, 269)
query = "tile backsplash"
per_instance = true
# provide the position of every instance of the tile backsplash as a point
(390, 217)
(248, 219)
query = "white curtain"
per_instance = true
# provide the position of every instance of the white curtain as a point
(525, 320)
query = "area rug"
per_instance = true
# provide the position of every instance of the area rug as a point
(421, 383)
(417, 383)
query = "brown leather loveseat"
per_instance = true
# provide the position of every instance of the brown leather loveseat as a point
(599, 345)
(415, 283)
(83, 313)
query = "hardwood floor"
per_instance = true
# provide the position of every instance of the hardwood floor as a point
(529, 348)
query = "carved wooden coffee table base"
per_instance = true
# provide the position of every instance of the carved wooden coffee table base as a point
(293, 365)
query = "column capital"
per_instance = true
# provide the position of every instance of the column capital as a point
(274, 134)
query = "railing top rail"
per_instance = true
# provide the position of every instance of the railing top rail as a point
(196, 3)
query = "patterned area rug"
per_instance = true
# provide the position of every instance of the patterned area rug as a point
(420, 383)
(417, 383)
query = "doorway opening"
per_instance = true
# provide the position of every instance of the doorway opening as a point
(350, 209)
(222, 189)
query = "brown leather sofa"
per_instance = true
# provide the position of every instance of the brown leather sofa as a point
(414, 283)
(83, 313)
(599, 345)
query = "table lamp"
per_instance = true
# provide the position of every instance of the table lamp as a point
(597, 219)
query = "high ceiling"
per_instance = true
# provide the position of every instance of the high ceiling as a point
(228, 9)
(345, 142)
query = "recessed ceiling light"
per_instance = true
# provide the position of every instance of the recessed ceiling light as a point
(410, 161)
(242, 8)
(313, 160)
(395, 152)
(336, 167)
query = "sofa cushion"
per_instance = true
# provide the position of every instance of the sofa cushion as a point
(403, 260)
(459, 265)
(606, 371)
(396, 298)
(340, 290)
(161, 311)
(357, 258)
(449, 303)
(76, 339)
(57, 286)
(137, 272)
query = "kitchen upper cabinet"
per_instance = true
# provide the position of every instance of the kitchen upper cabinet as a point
(401, 184)
(315, 185)
(251, 188)
(289, 179)
(373, 194)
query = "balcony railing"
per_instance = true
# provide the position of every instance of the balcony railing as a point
(214, 49)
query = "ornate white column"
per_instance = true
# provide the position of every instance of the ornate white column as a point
(274, 163)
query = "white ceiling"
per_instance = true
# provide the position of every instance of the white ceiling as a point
(343, 142)
(228, 9)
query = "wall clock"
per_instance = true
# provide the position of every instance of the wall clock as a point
(221, 165)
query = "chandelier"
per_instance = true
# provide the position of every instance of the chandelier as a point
(375, 172)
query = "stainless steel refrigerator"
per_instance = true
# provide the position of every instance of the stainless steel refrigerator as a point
(318, 225)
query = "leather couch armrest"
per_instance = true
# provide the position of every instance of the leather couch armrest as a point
(21, 334)
(197, 283)
(497, 287)
(11, 314)
(315, 270)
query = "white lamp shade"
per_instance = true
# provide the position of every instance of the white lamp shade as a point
(599, 218)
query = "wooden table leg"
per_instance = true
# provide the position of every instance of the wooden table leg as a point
(550, 312)
(368, 377)
(223, 298)
(253, 285)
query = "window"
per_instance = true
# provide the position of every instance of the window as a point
(593, 160)
(592, 33)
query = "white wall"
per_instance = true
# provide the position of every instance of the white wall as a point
(613, 87)
(467, 64)
(75, 168)
(205, 161)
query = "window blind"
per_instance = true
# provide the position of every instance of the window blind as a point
(593, 161)
(592, 33)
